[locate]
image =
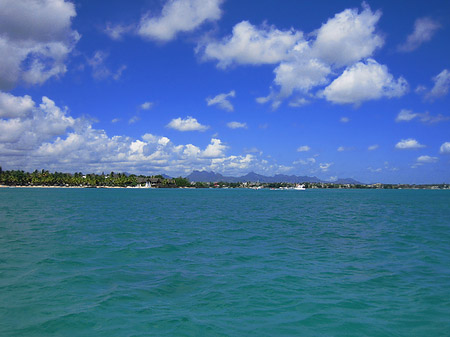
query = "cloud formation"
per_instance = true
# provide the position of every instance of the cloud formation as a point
(179, 16)
(237, 125)
(146, 106)
(445, 148)
(305, 62)
(252, 45)
(303, 148)
(427, 159)
(441, 85)
(408, 115)
(408, 144)
(35, 136)
(222, 101)
(325, 166)
(364, 81)
(99, 69)
(187, 124)
(424, 29)
(35, 40)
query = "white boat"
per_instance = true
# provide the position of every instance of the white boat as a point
(299, 187)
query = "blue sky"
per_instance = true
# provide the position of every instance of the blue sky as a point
(324, 88)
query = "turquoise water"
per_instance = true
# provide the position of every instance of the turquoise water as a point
(103, 262)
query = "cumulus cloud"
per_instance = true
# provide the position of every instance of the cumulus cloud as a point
(427, 159)
(305, 61)
(441, 85)
(303, 148)
(410, 143)
(408, 115)
(348, 37)
(364, 81)
(343, 148)
(373, 147)
(445, 148)
(21, 129)
(15, 107)
(237, 125)
(187, 124)
(325, 166)
(146, 106)
(35, 40)
(46, 136)
(249, 44)
(300, 75)
(179, 16)
(424, 29)
(215, 149)
(222, 101)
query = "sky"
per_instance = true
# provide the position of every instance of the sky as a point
(332, 89)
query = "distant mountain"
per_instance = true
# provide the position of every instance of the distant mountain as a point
(348, 181)
(205, 176)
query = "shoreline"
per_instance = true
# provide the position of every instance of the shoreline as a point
(216, 188)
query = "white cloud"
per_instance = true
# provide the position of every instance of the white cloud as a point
(187, 124)
(215, 149)
(410, 143)
(35, 40)
(348, 37)
(48, 137)
(307, 161)
(344, 120)
(298, 102)
(221, 101)
(343, 148)
(179, 16)
(146, 106)
(251, 45)
(420, 89)
(373, 147)
(427, 159)
(325, 166)
(115, 120)
(424, 29)
(237, 125)
(116, 32)
(364, 81)
(303, 62)
(445, 148)
(407, 115)
(22, 131)
(100, 71)
(303, 148)
(441, 85)
(300, 75)
(134, 119)
(12, 106)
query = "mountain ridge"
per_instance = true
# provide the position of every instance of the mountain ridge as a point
(205, 176)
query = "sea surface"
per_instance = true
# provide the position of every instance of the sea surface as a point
(162, 262)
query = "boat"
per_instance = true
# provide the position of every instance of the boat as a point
(299, 187)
